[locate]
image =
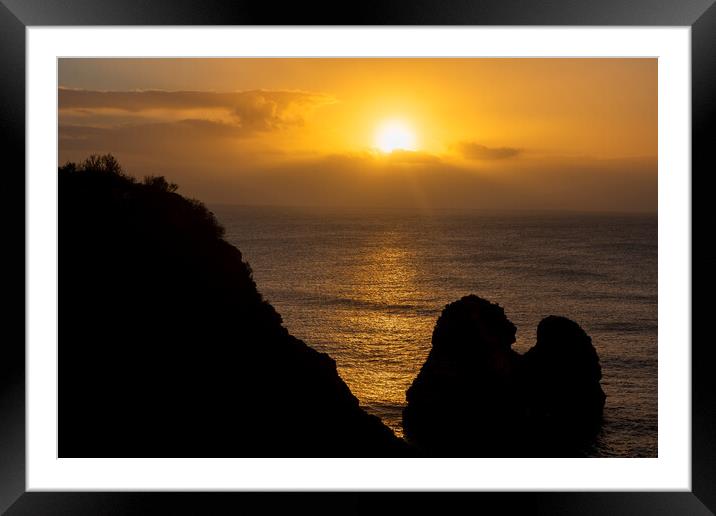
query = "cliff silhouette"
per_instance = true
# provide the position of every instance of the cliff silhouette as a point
(166, 348)
(476, 396)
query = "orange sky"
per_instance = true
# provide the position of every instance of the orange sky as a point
(486, 133)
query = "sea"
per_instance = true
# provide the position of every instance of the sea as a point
(366, 287)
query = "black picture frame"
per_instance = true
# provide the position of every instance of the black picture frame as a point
(700, 15)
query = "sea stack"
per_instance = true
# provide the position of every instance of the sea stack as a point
(476, 396)
(562, 382)
(464, 400)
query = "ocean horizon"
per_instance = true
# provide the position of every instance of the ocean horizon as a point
(367, 286)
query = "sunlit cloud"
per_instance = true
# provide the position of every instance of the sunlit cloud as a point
(256, 110)
(476, 151)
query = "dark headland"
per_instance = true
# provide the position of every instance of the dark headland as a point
(166, 348)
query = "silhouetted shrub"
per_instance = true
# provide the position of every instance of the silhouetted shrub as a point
(160, 183)
(105, 164)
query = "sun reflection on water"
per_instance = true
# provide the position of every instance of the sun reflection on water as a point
(385, 277)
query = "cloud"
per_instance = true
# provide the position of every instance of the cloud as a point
(402, 180)
(177, 123)
(173, 141)
(472, 150)
(378, 159)
(369, 180)
(253, 110)
(412, 157)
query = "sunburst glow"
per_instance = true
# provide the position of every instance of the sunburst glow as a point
(394, 135)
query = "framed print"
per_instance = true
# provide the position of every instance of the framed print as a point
(410, 249)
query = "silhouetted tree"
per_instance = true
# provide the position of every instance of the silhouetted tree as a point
(105, 163)
(160, 183)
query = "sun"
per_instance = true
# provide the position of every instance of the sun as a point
(394, 135)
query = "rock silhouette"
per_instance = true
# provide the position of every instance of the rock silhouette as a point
(476, 396)
(166, 348)
(464, 399)
(561, 381)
